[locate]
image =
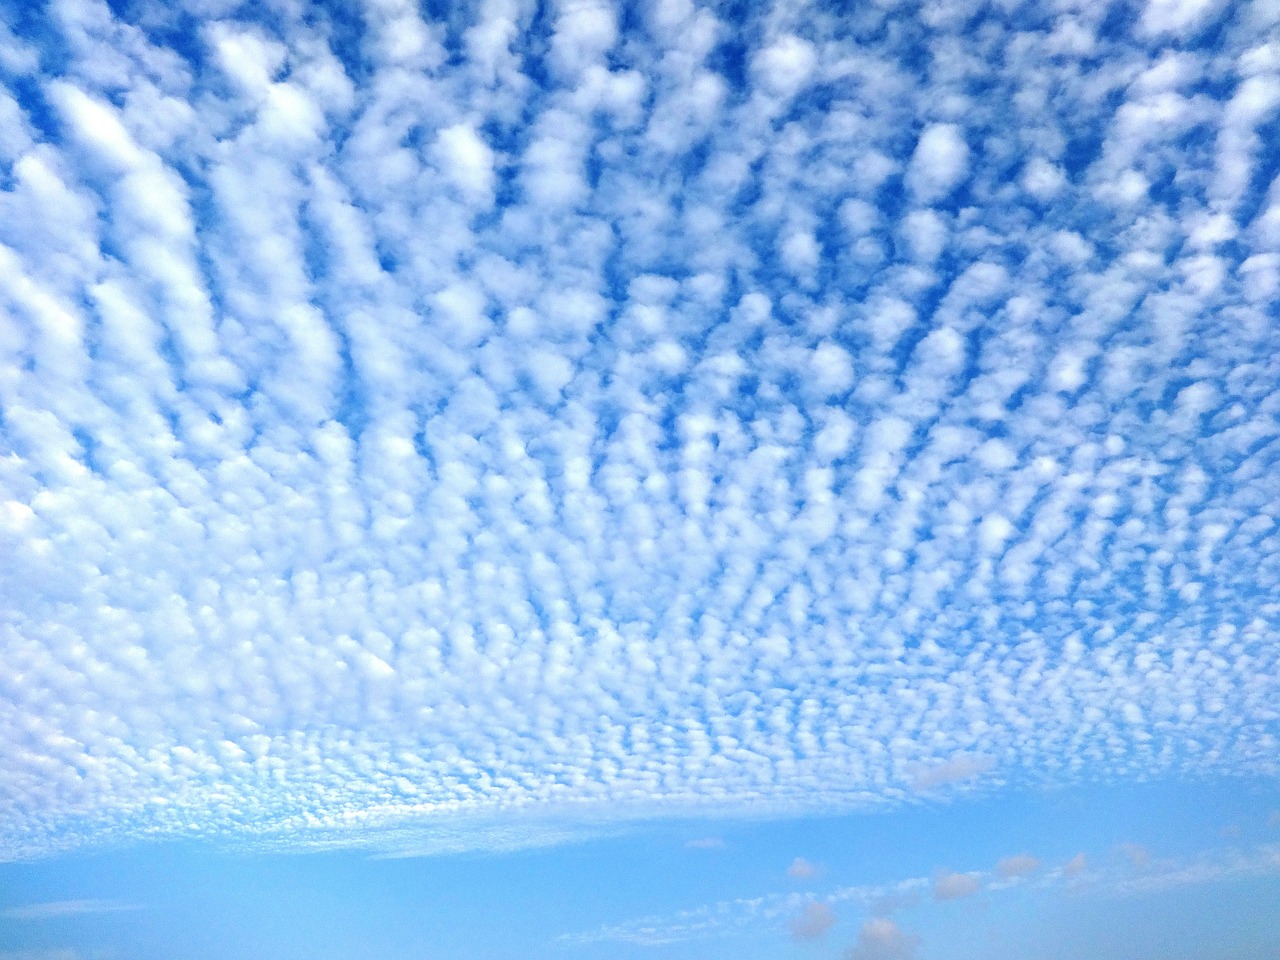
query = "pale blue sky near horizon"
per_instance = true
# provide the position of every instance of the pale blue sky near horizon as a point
(1166, 873)
(660, 479)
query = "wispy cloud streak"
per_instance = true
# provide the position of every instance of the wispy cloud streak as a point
(58, 909)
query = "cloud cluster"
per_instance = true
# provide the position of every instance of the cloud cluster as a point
(811, 917)
(406, 420)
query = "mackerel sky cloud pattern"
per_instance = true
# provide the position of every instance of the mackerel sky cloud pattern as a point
(603, 411)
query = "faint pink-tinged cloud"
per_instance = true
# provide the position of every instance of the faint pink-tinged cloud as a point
(882, 939)
(813, 922)
(705, 843)
(955, 886)
(1138, 855)
(1018, 865)
(953, 771)
(802, 869)
(892, 902)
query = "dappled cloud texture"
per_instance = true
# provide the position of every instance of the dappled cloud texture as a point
(404, 421)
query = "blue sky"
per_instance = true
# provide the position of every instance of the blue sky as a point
(451, 453)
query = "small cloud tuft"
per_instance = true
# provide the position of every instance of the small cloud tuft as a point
(1019, 865)
(802, 869)
(705, 843)
(953, 771)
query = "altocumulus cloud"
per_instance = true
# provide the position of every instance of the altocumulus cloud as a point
(626, 411)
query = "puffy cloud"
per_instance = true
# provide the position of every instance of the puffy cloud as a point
(468, 161)
(926, 234)
(584, 32)
(882, 939)
(955, 886)
(785, 65)
(1178, 17)
(940, 161)
(832, 369)
(813, 922)
(1042, 179)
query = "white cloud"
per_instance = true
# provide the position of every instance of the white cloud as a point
(250, 59)
(1042, 179)
(97, 126)
(786, 65)
(926, 234)
(801, 254)
(16, 56)
(1178, 17)
(832, 369)
(468, 161)
(1254, 102)
(940, 162)
(584, 32)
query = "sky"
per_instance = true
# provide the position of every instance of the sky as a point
(664, 479)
